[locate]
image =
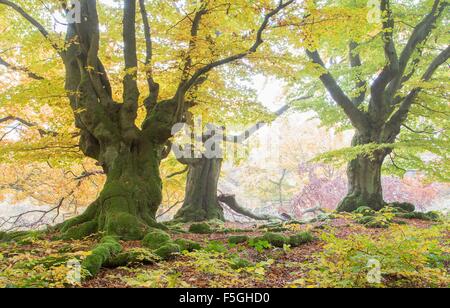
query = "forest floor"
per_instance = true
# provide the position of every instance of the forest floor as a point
(343, 253)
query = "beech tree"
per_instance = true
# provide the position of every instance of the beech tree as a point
(129, 154)
(202, 200)
(380, 103)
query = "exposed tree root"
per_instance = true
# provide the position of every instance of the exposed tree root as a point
(230, 201)
(125, 209)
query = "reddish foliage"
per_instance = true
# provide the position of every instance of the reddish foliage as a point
(325, 187)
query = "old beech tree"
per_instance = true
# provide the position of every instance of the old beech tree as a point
(378, 118)
(202, 201)
(129, 154)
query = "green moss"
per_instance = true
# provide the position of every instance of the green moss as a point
(132, 256)
(365, 220)
(300, 239)
(22, 237)
(365, 210)
(155, 239)
(175, 227)
(188, 245)
(294, 222)
(80, 231)
(238, 239)
(373, 222)
(129, 227)
(167, 251)
(430, 216)
(351, 203)
(400, 222)
(275, 239)
(434, 216)
(407, 207)
(93, 264)
(271, 226)
(216, 223)
(200, 228)
(106, 249)
(231, 230)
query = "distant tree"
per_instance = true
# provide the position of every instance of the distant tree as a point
(326, 186)
(392, 93)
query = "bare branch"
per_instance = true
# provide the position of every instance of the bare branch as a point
(22, 121)
(178, 173)
(252, 130)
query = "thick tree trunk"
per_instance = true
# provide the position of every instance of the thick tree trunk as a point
(201, 202)
(364, 180)
(128, 202)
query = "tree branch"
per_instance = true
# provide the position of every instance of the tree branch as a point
(185, 86)
(391, 69)
(21, 69)
(34, 22)
(192, 43)
(401, 115)
(130, 88)
(355, 62)
(252, 130)
(29, 124)
(178, 173)
(355, 115)
(420, 34)
(151, 101)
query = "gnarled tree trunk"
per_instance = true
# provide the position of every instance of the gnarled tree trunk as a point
(130, 155)
(201, 202)
(388, 107)
(364, 180)
(129, 200)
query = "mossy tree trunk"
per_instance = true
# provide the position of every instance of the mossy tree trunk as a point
(389, 104)
(364, 181)
(201, 202)
(129, 200)
(129, 154)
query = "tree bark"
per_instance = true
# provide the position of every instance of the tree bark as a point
(230, 201)
(364, 180)
(129, 155)
(201, 202)
(129, 200)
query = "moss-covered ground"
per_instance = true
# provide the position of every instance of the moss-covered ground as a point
(336, 251)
